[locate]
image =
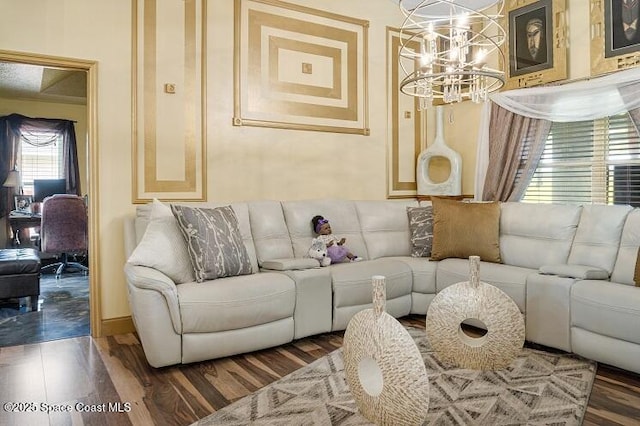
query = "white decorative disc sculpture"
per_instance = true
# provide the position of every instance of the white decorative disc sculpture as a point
(439, 148)
(480, 301)
(383, 366)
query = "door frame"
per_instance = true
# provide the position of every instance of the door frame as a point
(91, 68)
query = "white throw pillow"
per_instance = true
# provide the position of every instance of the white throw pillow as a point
(163, 247)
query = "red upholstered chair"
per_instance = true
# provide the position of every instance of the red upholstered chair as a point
(64, 230)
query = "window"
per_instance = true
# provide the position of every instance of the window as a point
(589, 162)
(41, 157)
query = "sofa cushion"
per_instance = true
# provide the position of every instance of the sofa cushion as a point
(598, 236)
(236, 302)
(341, 214)
(385, 227)
(606, 308)
(626, 260)
(162, 246)
(510, 279)
(242, 213)
(421, 228)
(423, 271)
(270, 233)
(214, 241)
(352, 282)
(463, 229)
(544, 229)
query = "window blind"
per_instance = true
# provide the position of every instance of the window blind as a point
(40, 161)
(583, 162)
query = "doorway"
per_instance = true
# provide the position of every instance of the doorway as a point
(90, 68)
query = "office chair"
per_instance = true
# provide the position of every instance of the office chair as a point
(64, 230)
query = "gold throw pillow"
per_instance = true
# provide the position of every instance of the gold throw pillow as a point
(463, 229)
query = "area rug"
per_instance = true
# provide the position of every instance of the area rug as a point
(537, 388)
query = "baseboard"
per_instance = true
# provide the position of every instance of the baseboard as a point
(121, 325)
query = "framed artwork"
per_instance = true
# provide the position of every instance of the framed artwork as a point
(23, 203)
(169, 100)
(615, 36)
(406, 123)
(536, 42)
(299, 68)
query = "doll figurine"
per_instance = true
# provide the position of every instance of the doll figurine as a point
(335, 246)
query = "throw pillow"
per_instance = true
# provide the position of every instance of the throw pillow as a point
(162, 246)
(421, 227)
(462, 229)
(636, 274)
(214, 241)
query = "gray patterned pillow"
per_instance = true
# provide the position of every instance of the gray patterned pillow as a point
(214, 242)
(421, 227)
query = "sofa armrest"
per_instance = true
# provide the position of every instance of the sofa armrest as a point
(582, 272)
(145, 278)
(291, 264)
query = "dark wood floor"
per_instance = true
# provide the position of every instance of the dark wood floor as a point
(111, 374)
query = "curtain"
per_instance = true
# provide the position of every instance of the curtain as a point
(583, 100)
(579, 101)
(7, 163)
(516, 144)
(635, 118)
(16, 126)
(482, 153)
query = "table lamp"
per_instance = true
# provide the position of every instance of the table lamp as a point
(14, 180)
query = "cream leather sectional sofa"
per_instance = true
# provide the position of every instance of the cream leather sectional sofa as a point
(568, 268)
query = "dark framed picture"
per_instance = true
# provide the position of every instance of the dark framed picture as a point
(615, 39)
(621, 27)
(23, 203)
(531, 38)
(535, 50)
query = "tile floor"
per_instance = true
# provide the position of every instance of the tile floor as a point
(63, 312)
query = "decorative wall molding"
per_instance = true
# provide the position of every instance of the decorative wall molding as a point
(300, 68)
(169, 100)
(406, 129)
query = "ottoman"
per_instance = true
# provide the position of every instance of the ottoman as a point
(20, 275)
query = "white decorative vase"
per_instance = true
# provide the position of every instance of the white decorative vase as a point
(439, 148)
(482, 302)
(383, 366)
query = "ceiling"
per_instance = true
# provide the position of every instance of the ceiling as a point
(26, 81)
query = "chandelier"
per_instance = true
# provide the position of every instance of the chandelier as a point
(444, 49)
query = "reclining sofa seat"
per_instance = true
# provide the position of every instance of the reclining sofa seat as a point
(531, 235)
(373, 231)
(592, 254)
(197, 321)
(385, 228)
(605, 315)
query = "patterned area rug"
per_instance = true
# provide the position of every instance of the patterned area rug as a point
(537, 388)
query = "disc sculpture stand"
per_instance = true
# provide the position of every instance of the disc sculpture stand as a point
(383, 366)
(480, 301)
